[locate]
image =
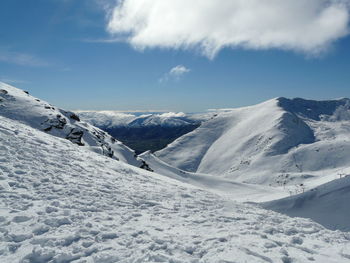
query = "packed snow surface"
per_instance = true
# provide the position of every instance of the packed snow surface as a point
(63, 203)
(18, 105)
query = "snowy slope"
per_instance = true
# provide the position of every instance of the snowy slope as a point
(226, 188)
(58, 207)
(18, 105)
(110, 119)
(327, 204)
(277, 142)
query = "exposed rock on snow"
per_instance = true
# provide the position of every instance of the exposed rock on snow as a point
(19, 105)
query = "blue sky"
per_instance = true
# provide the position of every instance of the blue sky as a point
(58, 50)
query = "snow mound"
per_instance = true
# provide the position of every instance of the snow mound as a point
(18, 105)
(277, 142)
(63, 203)
(327, 204)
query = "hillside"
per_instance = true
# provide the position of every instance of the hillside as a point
(64, 203)
(279, 142)
(226, 188)
(18, 105)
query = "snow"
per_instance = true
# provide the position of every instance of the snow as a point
(228, 189)
(64, 203)
(280, 142)
(111, 119)
(19, 105)
(63, 199)
(327, 204)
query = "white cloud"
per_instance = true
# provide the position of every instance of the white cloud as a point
(175, 73)
(178, 71)
(307, 26)
(172, 115)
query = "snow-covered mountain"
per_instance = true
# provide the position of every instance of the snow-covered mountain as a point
(278, 142)
(112, 119)
(18, 105)
(64, 203)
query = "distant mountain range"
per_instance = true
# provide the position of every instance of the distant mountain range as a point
(144, 131)
(112, 119)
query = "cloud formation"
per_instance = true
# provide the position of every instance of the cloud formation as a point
(175, 73)
(308, 26)
(178, 71)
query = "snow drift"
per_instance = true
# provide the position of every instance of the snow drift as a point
(327, 204)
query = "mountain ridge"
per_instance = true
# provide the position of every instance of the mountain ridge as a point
(19, 105)
(279, 136)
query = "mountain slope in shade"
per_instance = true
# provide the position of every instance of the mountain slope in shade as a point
(18, 105)
(63, 203)
(277, 142)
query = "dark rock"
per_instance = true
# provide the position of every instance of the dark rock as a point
(107, 150)
(48, 129)
(75, 136)
(145, 166)
(74, 117)
(57, 123)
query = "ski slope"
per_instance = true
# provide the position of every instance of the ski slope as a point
(64, 203)
(18, 105)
